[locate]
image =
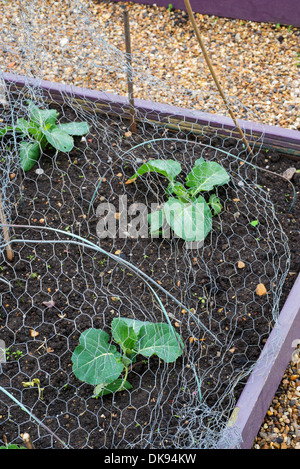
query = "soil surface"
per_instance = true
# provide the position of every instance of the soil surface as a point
(87, 288)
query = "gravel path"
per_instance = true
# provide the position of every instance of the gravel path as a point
(256, 63)
(281, 426)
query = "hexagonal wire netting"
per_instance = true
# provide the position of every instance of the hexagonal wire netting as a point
(74, 270)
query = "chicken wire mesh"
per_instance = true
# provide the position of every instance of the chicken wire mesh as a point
(68, 276)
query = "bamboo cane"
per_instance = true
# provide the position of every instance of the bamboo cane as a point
(9, 251)
(129, 71)
(211, 68)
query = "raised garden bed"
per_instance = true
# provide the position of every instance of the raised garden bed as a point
(90, 289)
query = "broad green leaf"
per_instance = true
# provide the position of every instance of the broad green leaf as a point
(178, 189)
(42, 117)
(59, 139)
(95, 361)
(75, 128)
(199, 161)
(134, 323)
(115, 386)
(189, 221)
(205, 175)
(23, 126)
(123, 333)
(29, 129)
(168, 168)
(35, 131)
(29, 153)
(215, 204)
(156, 220)
(161, 340)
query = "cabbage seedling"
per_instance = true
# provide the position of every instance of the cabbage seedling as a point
(40, 131)
(186, 210)
(101, 364)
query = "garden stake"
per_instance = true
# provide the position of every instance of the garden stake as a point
(210, 66)
(27, 440)
(129, 71)
(9, 251)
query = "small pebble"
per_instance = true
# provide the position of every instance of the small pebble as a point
(39, 171)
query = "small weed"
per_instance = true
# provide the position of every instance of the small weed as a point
(13, 355)
(31, 384)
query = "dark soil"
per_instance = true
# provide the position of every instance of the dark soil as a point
(89, 289)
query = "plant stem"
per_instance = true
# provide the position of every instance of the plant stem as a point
(125, 377)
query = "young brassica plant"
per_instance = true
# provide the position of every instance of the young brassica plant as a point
(101, 364)
(186, 211)
(41, 130)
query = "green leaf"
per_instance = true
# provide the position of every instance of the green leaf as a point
(116, 386)
(215, 204)
(23, 126)
(178, 189)
(12, 446)
(95, 361)
(156, 221)
(254, 222)
(134, 323)
(168, 168)
(5, 130)
(75, 128)
(126, 360)
(189, 221)
(199, 161)
(160, 339)
(205, 175)
(29, 153)
(42, 117)
(123, 333)
(59, 139)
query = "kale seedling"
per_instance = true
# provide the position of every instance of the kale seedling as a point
(99, 363)
(40, 131)
(186, 210)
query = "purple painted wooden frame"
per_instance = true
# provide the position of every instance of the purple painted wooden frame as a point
(283, 140)
(266, 376)
(266, 11)
(263, 382)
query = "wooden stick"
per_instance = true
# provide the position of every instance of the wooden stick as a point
(9, 251)
(129, 71)
(210, 66)
(27, 440)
